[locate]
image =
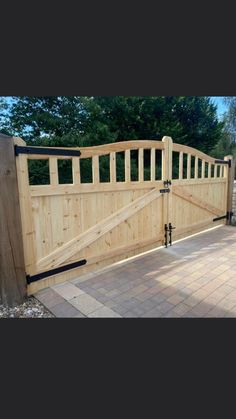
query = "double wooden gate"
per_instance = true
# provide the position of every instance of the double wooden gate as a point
(168, 191)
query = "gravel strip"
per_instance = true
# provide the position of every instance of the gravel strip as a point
(31, 308)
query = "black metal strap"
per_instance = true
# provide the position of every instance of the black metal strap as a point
(223, 162)
(55, 271)
(220, 218)
(45, 150)
(228, 216)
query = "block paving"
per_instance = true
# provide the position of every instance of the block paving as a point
(195, 277)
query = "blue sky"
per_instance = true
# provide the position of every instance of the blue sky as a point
(221, 108)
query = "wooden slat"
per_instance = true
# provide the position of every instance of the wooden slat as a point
(209, 170)
(182, 193)
(221, 170)
(140, 165)
(181, 165)
(76, 170)
(215, 171)
(95, 169)
(196, 168)
(153, 164)
(189, 166)
(203, 169)
(127, 165)
(83, 240)
(53, 170)
(113, 167)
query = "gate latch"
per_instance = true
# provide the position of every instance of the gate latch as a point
(168, 229)
(170, 233)
(167, 183)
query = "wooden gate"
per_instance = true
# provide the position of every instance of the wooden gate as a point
(70, 229)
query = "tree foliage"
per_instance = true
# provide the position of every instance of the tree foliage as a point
(86, 121)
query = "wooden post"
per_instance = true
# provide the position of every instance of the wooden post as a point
(230, 186)
(167, 175)
(12, 265)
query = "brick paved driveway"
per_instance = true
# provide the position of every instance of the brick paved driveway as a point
(195, 277)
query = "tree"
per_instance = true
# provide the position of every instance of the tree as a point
(87, 121)
(188, 120)
(230, 118)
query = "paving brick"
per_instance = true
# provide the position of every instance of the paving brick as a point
(175, 299)
(159, 298)
(67, 290)
(169, 291)
(119, 309)
(154, 313)
(201, 309)
(130, 314)
(164, 307)
(113, 293)
(148, 305)
(86, 304)
(181, 308)
(104, 312)
(143, 296)
(49, 298)
(64, 310)
(130, 303)
(111, 304)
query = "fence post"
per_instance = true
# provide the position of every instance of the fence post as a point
(230, 186)
(167, 156)
(12, 265)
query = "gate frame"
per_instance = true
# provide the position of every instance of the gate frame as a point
(14, 224)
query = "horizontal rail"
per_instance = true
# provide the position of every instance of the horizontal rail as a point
(46, 150)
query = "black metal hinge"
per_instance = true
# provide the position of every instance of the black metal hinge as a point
(41, 275)
(45, 150)
(228, 162)
(219, 218)
(228, 216)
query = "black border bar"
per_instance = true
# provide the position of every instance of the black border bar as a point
(223, 162)
(45, 150)
(55, 271)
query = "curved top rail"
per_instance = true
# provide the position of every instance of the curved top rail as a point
(193, 151)
(120, 146)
